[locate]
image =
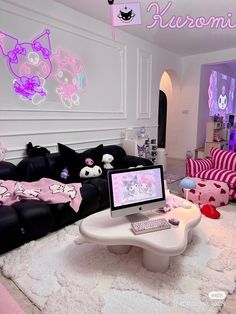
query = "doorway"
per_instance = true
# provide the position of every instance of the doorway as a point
(162, 118)
(169, 113)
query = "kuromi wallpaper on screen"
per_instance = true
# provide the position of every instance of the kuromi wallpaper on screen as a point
(136, 187)
(221, 94)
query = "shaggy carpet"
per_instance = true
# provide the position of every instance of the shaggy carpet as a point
(61, 273)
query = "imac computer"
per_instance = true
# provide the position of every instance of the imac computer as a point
(136, 190)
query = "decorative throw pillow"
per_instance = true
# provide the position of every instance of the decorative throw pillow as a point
(68, 160)
(90, 162)
(81, 165)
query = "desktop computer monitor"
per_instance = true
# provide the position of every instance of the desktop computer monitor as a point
(135, 190)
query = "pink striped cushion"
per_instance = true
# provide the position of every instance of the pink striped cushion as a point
(223, 159)
(227, 176)
(232, 194)
(194, 166)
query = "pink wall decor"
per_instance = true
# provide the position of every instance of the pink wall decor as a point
(29, 63)
(70, 75)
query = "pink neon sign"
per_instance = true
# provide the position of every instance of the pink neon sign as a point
(186, 21)
(70, 75)
(29, 63)
(2, 37)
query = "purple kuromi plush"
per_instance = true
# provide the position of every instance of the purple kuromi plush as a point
(84, 165)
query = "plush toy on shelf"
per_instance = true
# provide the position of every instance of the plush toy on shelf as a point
(3, 151)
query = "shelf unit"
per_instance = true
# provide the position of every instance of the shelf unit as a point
(216, 129)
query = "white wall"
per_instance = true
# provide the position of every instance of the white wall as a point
(190, 108)
(123, 81)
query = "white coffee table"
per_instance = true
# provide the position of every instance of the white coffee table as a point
(157, 246)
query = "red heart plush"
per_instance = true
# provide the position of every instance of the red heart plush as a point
(217, 185)
(210, 211)
(222, 191)
(201, 185)
(211, 199)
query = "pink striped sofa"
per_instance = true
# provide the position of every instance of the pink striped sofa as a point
(221, 166)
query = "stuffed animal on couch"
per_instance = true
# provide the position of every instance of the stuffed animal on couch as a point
(90, 163)
(81, 165)
(33, 151)
(107, 160)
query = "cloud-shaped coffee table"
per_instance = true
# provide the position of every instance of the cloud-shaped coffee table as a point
(157, 246)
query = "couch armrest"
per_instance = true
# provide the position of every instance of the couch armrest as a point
(8, 171)
(134, 161)
(194, 166)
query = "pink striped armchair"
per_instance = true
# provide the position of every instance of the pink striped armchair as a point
(221, 166)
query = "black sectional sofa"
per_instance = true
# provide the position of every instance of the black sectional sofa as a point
(31, 219)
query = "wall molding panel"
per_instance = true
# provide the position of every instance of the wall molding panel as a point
(63, 25)
(37, 114)
(144, 84)
(59, 132)
(119, 82)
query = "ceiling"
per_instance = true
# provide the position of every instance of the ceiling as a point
(182, 41)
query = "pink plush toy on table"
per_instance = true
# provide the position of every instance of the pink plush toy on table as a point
(3, 151)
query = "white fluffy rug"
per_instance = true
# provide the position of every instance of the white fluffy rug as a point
(61, 273)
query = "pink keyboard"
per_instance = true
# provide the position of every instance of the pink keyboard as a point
(145, 226)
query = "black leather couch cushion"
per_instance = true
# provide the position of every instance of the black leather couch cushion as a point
(33, 168)
(64, 215)
(8, 171)
(10, 229)
(31, 219)
(101, 186)
(135, 161)
(35, 217)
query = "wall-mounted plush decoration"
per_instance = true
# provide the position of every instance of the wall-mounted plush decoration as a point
(29, 63)
(71, 78)
(81, 165)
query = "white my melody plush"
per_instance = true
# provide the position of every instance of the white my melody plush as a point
(107, 160)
